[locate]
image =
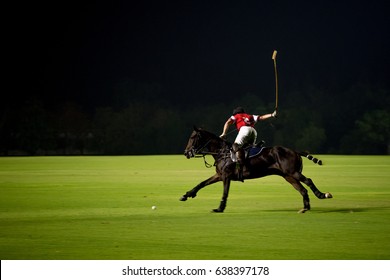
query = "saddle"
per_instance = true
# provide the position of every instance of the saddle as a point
(250, 151)
(253, 151)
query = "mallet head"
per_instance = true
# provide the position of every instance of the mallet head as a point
(274, 54)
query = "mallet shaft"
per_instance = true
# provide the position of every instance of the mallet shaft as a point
(276, 79)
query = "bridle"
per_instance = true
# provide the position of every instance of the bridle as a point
(203, 151)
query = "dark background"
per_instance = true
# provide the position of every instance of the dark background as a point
(132, 77)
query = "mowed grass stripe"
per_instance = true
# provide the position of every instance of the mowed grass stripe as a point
(100, 208)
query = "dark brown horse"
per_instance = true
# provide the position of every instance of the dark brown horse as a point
(271, 161)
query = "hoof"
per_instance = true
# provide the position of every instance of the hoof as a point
(328, 195)
(183, 198)
(217, 211)
(302, 210)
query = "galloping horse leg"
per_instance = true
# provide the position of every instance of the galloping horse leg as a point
(192, 193)
(309, 182)
(301, 189)
(222, 205)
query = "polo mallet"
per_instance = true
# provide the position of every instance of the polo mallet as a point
(276, 79)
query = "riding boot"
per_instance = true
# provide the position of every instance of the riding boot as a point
(240, 156)
(240, 165)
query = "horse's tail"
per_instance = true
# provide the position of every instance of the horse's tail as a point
(310, 157)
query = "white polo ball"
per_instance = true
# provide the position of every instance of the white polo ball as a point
(154, 207)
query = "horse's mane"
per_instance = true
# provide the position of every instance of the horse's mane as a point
(214, 136)
(208, 133)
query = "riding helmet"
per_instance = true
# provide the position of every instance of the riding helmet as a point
(238, 110)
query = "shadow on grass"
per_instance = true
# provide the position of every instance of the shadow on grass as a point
(348, 210)
(352, 210)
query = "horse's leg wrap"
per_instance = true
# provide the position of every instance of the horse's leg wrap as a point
(315, 190)
(221, 207)
(187, 195)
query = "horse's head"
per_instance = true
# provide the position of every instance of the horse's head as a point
(193, 143)
(199, 142)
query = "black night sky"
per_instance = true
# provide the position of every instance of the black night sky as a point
(78, 51)
(197, 52)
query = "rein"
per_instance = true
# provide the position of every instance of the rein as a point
(199, 153)
(208, 165)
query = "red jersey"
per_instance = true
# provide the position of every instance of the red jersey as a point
(244, 119)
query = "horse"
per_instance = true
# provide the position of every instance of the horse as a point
(275, 160)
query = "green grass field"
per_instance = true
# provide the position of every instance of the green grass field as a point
(100, 208)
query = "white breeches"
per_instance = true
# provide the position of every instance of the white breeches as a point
(246, 135)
